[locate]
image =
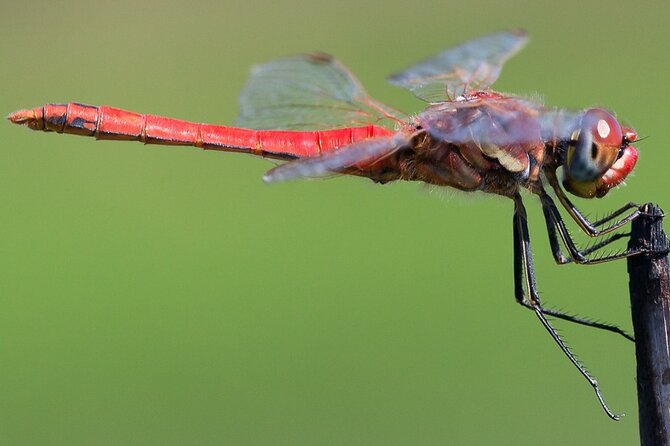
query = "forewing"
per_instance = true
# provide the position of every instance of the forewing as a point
(359, 154)
(474, 65)
(309, 92)
(498, 123)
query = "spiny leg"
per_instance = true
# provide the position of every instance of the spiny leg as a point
(561, 260)
(554, 243)
(524, 277)
(582, 321)
(591, 228)
(614, 214)
(556, 225)
(556, 252)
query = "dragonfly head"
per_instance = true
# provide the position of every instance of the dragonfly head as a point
(599, 155)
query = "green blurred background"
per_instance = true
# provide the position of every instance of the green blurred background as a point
(156, 295)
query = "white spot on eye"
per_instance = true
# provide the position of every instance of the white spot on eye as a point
(603, 128)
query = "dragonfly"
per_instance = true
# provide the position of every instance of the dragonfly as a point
(311, 111)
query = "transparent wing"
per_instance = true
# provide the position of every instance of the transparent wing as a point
(309, 92)
(498, 123)
(359, 154)
(474, 65)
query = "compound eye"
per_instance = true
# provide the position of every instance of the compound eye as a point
(594, 147)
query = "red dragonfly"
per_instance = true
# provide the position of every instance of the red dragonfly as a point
(311, 111)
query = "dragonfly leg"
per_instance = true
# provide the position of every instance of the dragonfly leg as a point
(561, 259)
(524, 279)
(556, 252)
(583, 321)
(592, 228)
(556, 227)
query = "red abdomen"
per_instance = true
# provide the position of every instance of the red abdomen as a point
(105, 122)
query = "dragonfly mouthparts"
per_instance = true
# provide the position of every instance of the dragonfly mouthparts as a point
(29, 117)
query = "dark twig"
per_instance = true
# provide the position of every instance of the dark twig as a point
(650, 306)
